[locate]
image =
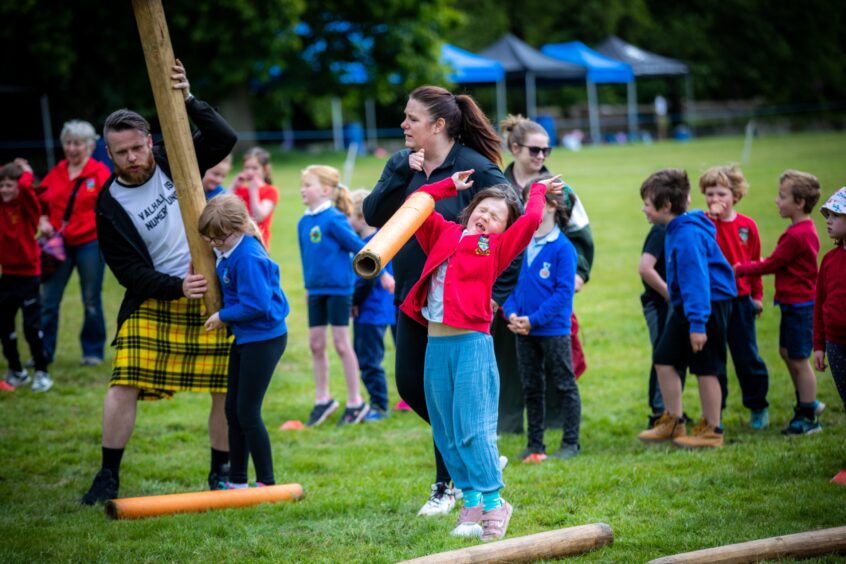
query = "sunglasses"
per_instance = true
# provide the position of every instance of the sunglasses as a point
(534, 151)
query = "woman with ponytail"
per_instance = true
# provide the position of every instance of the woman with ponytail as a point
(444, 134)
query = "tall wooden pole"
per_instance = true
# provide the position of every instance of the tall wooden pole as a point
(170, 105)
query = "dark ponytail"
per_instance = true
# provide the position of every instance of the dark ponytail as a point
(463, 118)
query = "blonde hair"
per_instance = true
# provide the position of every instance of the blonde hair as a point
(517, 129)
(330, 177)
(224, 215)
(357, 197)
(729, 176)
(802, 186)
(263, 158)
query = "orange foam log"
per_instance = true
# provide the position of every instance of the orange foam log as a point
(379, 251)
(195, 502)
(540, 546)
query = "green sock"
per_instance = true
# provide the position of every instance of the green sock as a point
(491, 500)
(472, 498)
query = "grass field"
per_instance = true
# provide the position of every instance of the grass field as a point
(364, 484)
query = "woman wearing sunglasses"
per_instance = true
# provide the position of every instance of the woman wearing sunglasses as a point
(528, 142)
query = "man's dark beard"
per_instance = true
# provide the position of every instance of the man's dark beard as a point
(141, 176)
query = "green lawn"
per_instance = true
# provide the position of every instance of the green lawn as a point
(364, 484)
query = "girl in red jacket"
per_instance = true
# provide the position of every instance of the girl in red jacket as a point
(453, 299)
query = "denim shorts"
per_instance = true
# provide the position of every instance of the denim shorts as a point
(329, 310)
(796, 331)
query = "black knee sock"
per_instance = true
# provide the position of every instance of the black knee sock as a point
(111, 460)
(218, 459)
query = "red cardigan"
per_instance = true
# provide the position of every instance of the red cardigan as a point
(830, 307)
(794, 263)
(475, 261)
(20, 254)
(740, 243)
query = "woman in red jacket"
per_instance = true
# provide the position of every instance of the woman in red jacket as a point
(70, 190)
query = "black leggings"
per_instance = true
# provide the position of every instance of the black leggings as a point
(248, 383)
(21, 293)
(411, 342)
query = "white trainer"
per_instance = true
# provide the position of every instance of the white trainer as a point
(440, 502)
(18, 379)
(42, 381)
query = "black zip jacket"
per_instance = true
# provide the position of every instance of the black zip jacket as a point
(121, 244)
(399, 181)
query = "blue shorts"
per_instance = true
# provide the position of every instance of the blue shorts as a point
(796, 331)
(329, 310)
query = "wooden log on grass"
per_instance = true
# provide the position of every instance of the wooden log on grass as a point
(799, 545)
(195, 502)
(551, 544)
(396, 232)
(170, 105)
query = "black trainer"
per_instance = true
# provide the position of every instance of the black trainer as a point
(353, 415)
(321, 412)
(104, 488)
(219, 477)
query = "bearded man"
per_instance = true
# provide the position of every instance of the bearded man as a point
(161, 346)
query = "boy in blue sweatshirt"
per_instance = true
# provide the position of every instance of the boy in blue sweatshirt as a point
(373, 312)
(701, 286)
(538, 312)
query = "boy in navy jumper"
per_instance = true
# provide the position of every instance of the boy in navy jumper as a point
(701, 286)
(373, 312)
(538, 312)
(254, 309)
(327, 243)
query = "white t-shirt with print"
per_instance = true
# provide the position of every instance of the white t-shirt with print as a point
(155, 213)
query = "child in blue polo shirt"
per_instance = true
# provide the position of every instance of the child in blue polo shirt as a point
(538, 312)
(254, 309)
(373, 312)
(327, 244)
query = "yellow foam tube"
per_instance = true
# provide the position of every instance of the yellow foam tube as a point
(195, 502)
(379, 251)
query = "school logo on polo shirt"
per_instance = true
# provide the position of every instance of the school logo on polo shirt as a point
(743, 233)
(89, 184)
(226, 279)
(484, 245)
(544, 271)
(315, 235)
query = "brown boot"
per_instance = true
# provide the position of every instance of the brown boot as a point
(704, 436)
(667, 428)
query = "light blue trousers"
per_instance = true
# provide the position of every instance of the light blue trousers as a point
(462, 394)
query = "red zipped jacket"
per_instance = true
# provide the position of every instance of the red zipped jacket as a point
(475, 261)
(57, 187)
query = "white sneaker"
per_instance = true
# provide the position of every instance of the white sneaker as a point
(440, 502)
(18, 379)
(42, 381)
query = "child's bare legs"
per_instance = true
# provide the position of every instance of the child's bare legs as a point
(710, 395)
(341, 339)
(804, 380)
(320, 363)
(671, 388)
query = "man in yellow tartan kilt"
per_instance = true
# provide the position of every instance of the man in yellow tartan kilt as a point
(161, 346)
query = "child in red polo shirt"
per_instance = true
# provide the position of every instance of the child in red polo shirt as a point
(453, 299)
(737, 236)
(794, 263)
(20, 259)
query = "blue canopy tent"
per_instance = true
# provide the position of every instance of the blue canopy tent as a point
(600, 70)
(520, 60)
(469, 68)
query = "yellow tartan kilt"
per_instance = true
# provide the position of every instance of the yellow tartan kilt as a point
(163, 348)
